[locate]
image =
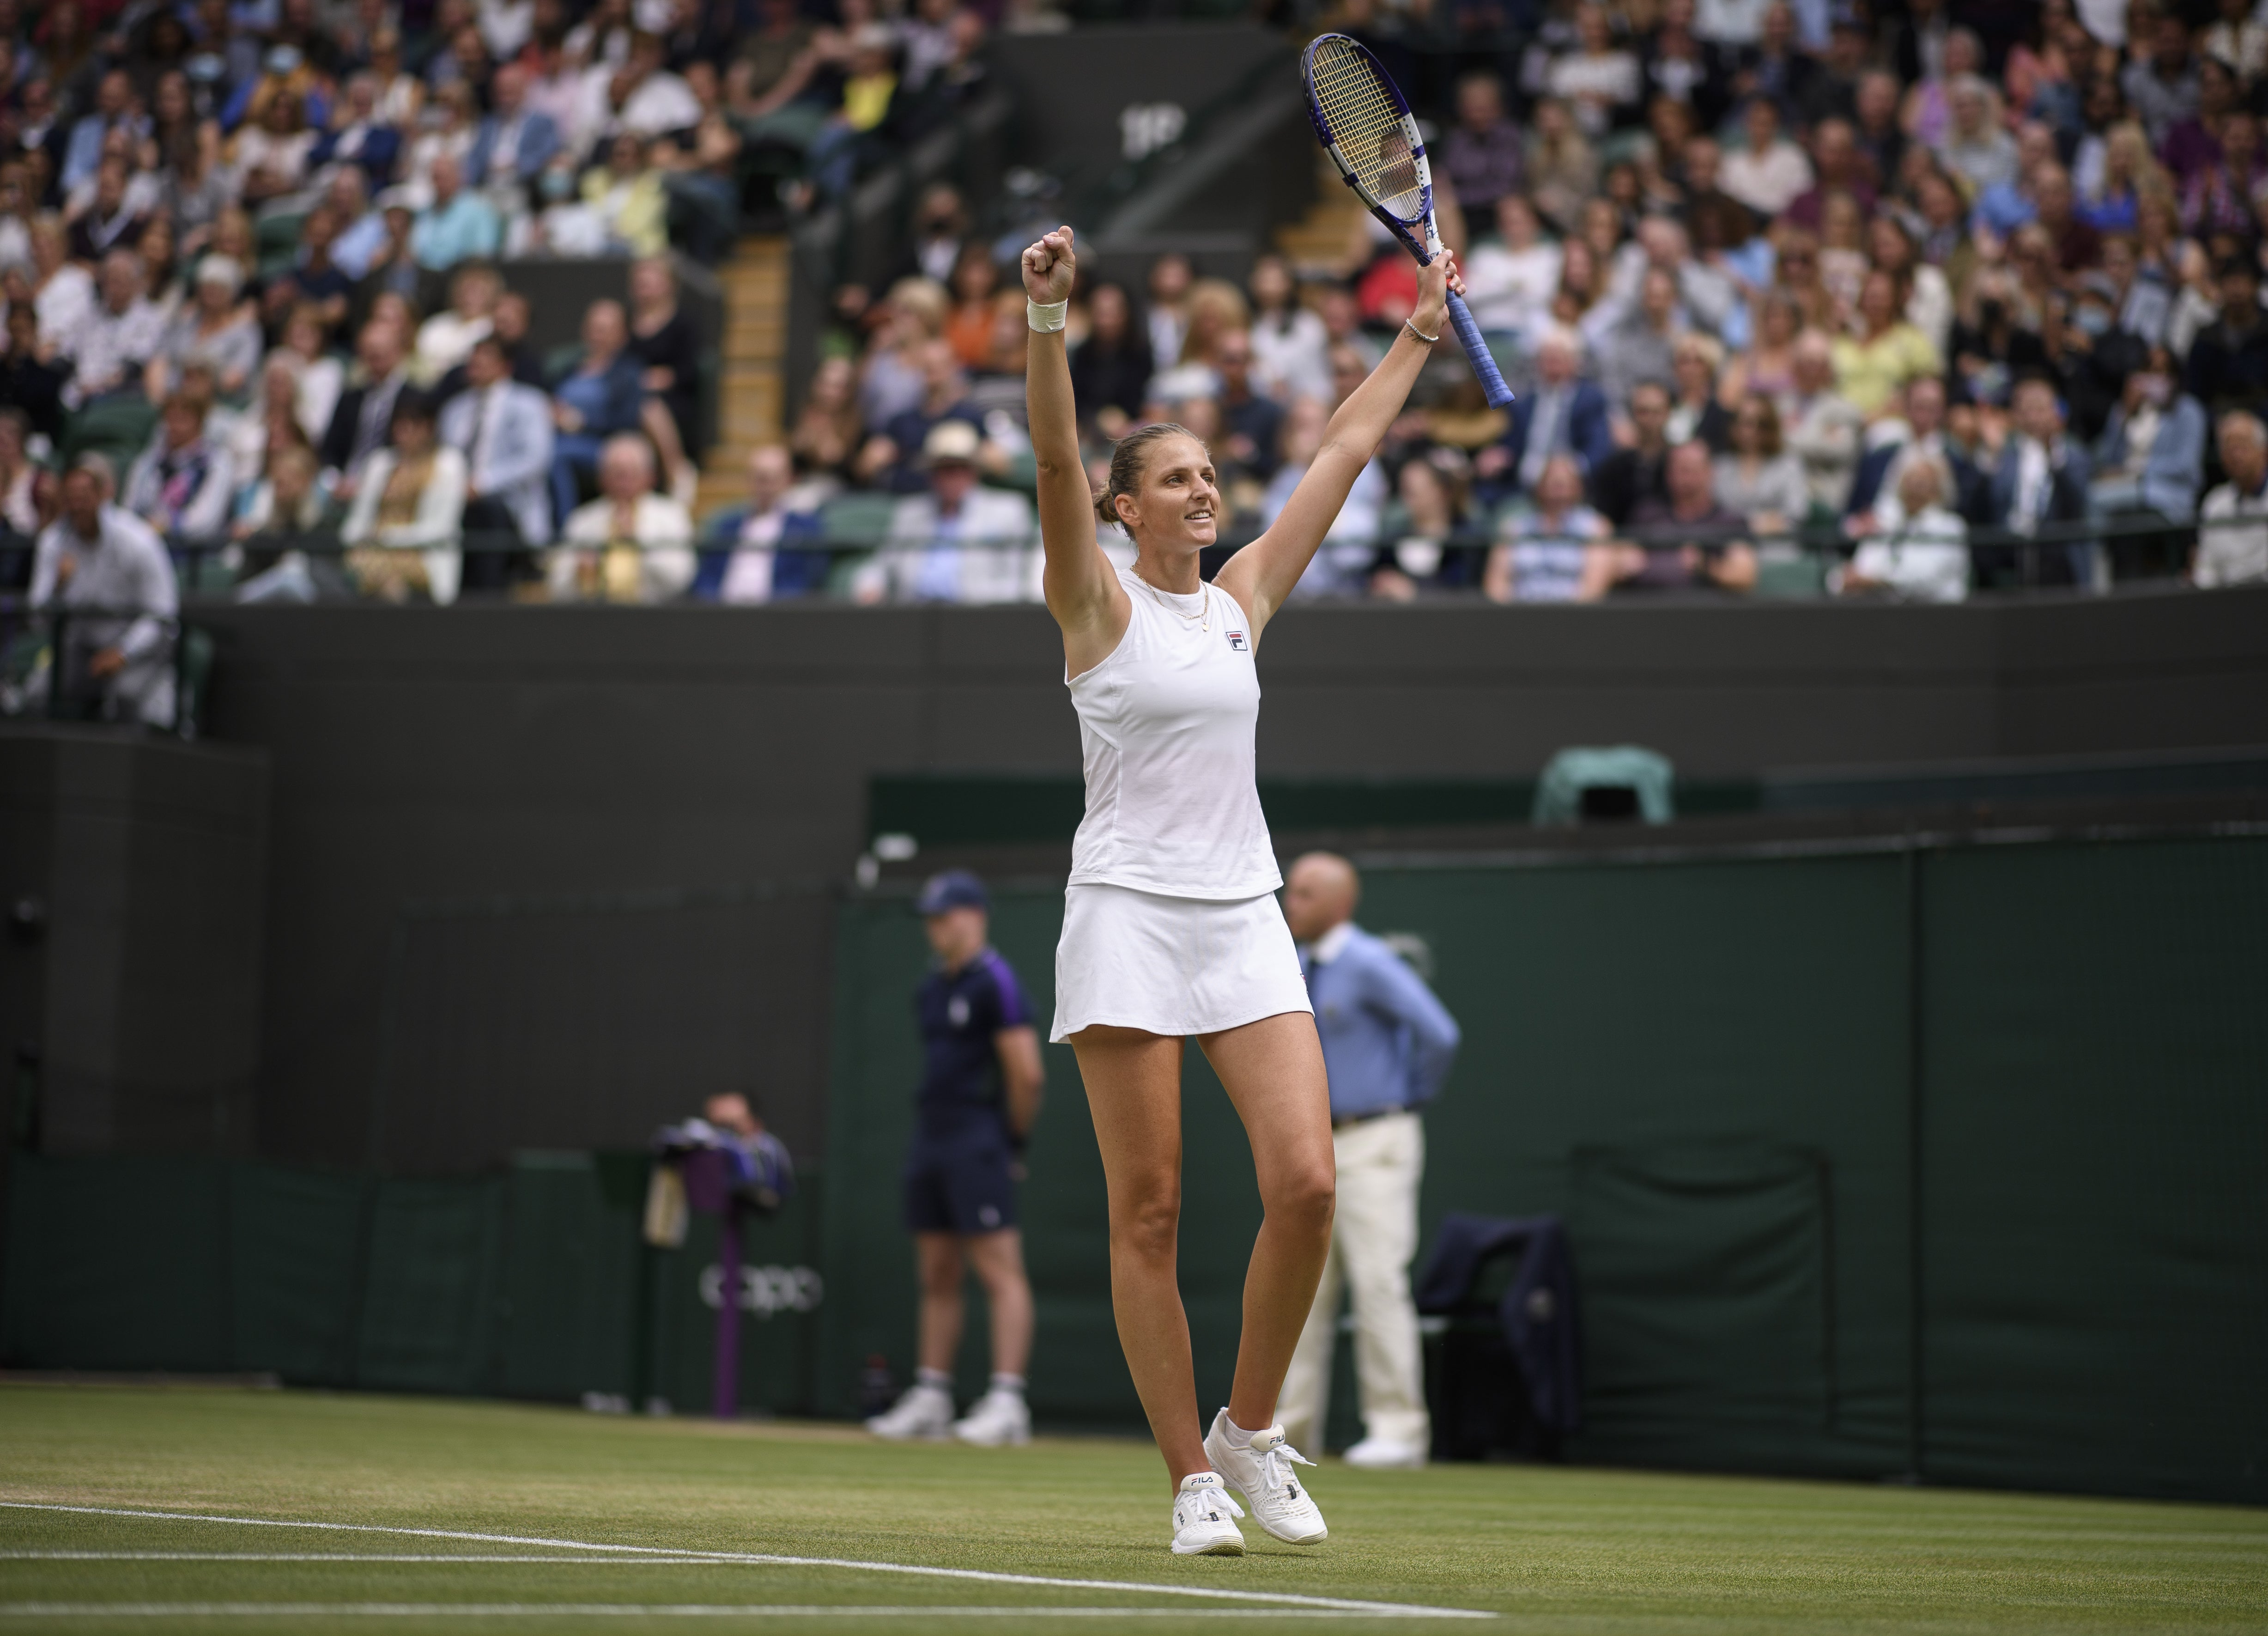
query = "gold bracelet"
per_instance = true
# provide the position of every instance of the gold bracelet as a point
(1410, 325)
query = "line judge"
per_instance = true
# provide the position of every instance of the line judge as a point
(1388, 1044)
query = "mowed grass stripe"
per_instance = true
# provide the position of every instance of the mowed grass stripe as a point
(626, 1611)
(1558, 1550)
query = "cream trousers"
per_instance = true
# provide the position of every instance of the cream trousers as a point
(1374, 1238)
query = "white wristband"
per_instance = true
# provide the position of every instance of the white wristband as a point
(1047, 317)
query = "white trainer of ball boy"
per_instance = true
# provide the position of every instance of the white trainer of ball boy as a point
(1205, 1518)
(997, 1419)
(1262, 1472)
(924, 1414)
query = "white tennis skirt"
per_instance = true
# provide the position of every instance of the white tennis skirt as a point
(1171, 965)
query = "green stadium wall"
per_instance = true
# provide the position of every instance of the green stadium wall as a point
(1907, 1161)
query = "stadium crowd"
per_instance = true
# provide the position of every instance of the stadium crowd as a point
(1799, 299)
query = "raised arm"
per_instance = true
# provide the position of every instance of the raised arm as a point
(1082, 589)
(1261, 575)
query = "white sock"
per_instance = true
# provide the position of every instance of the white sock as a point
(1008, 1383)
(936, 1379)
(1238, 1437)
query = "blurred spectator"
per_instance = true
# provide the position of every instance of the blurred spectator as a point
(32, 382)
(445, 340)
(959, 542)
(1823, 428)
(1769, 173)
(1215, 309)
(1687, 543)
(2151, 454)
(1252, 423)
(1429, 555)
(115, 337)
(62, 292)
(1287, 340)
(1170, 283)
(2161, 87)
(114, 109)
(459, 223)
(1874, 506)
(1551, 551)
(2039, 480)
(762, 563)
(357, 136)
(892, 457)
(1342, 566)
(1638, 472)
(940, 233)
(1110, 368)
(1565, 414)
(117, 658)
(1597, 82)
(20, 476)
(1924, 557)
(629, 545)
(1560, 165)
(502, 429)
(270, 156)
(1641, 344)
(1509, 279)
(514, 142)
(2230, 549)
(827, 434)
(182, 485)
(1482, 154)
(360, 423)
(1885, 353)
(1695, 412)
(1976, 146)
(599, 398)
(2228, 361)
(969, 328)
(1757, 477)
(869, 90)
(282, 534)
(894, 377)
(314, 278)
(403, 533)
(667, 348)
(212, 327)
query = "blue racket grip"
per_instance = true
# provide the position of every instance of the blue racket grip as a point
(1476, 349)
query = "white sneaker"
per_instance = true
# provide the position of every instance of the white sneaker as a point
(925, 1413)
(997, 1419)
(1383, 1454)
(1262, 1474)
(1204, 1518)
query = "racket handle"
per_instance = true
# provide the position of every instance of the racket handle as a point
(1476, 350)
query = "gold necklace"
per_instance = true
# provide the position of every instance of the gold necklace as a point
(1203, 616)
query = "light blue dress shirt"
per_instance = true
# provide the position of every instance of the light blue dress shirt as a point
(1388, 1042)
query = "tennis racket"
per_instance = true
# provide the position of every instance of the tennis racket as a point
(1366, 127)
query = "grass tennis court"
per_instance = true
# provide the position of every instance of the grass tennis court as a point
(591, 1523)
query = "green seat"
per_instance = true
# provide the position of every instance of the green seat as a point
(1797, 581)
(196, 679)
(277, 238)
(857, 518)
(560, 359)
(118, 429)
(1624, 781)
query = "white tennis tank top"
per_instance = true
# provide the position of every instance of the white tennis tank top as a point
(1166, 724)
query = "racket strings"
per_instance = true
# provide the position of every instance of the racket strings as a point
(1367, 124)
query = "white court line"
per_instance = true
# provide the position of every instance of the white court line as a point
(1385, 1609)
(691, 1560)
(618, 1610)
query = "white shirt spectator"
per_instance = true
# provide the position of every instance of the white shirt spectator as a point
(653, 565)
(437, 531)
(1289, 351)
(64, 304)
(983, 555)
(1506, 288)
(1770, 182)
(1924, 559)
(123, 569)
(2229, 556)
(1583, 79)
(109, 347)
(1730, 22)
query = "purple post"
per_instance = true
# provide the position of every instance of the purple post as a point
(726, 1392)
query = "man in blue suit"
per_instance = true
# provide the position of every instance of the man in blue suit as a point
(1388, 1045)
(504, 431)
(1565, 414)
(515, 142)
(2040, 483)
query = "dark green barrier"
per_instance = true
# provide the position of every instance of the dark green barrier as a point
(531, 1284)
(1708, 1068)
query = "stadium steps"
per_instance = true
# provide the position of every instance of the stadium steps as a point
(751, 400)
(1331, 240)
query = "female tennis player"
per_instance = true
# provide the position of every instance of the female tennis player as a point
(1171, 927)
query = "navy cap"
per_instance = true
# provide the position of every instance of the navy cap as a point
(955, 889)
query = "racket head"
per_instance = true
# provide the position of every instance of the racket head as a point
(1365, 126)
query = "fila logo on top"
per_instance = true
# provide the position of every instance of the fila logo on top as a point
(1237, 642)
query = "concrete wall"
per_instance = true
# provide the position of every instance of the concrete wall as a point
(515, 824)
